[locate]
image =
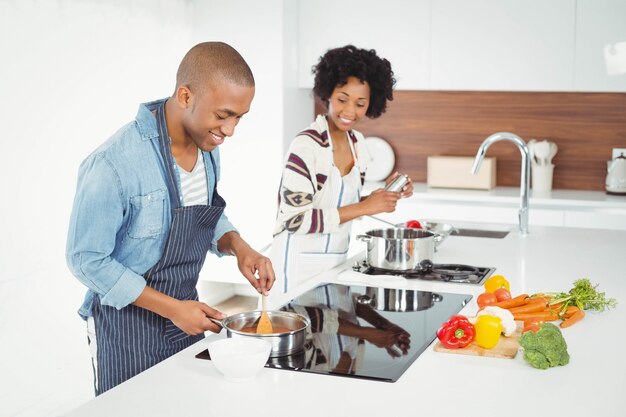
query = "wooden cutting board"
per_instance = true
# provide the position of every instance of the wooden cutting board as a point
(507, 347)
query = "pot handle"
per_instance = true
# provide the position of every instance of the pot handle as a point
(364, 238)
(216, 321)
(365, 300)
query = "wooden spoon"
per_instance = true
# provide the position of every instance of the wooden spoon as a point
(265, 325)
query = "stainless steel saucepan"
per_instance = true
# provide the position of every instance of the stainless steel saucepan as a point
(290, 329)
(441, 230)
(401, 300)
(398, 249)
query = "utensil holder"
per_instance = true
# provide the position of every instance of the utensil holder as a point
(542, 177)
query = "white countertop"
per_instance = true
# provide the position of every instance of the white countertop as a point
(436, 384)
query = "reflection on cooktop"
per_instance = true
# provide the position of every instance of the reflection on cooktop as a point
(455, 273)
(366, 332)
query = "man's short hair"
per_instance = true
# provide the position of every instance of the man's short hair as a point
(209, 63)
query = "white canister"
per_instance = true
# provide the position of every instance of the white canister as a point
(542, 177)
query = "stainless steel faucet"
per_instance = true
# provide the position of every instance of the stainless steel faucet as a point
(525, 175)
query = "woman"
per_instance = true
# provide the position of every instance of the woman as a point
(320, 191)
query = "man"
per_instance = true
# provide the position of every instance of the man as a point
(147, 211)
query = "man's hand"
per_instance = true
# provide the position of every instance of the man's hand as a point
(255, 267)
(191, 316)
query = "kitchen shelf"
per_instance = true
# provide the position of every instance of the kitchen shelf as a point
(511, 195)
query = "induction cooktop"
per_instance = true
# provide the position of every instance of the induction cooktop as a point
(365, 332)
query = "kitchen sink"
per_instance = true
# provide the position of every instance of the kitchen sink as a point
(493, 234)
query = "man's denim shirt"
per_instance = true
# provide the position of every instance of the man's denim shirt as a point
(122, 214)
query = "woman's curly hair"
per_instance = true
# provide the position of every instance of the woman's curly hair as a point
(336, 65)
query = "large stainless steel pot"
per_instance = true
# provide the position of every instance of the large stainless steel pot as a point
(398, 249)
(284, 343)
(390, 299)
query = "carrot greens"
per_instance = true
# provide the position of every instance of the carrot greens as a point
(583, 295)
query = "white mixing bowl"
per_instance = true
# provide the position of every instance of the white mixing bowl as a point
(239, 359)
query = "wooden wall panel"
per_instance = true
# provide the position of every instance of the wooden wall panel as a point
(585, 126)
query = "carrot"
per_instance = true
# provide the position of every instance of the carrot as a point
(531, 326)
(531, 321)
(543, 300)
(576, 317)
(520, 300)
(569, 311)
(545, 315)
(528, 308)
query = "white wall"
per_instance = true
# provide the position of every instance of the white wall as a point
(250, 159)
(266, 35)
(73, 72)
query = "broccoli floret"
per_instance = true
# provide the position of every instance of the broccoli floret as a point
(546, 348)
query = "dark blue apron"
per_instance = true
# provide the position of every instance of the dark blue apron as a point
(133, 339)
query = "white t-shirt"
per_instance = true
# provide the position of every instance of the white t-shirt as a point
(194, 184)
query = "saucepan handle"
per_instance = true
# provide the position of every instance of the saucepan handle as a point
(216, 321)
(364, 238)
(365, 300)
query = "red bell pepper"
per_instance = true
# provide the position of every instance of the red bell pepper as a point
(457, 332)
(413, 224)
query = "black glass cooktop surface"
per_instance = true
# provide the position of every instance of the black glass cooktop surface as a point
(365, 332)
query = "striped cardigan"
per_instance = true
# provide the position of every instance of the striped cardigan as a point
(307, 165)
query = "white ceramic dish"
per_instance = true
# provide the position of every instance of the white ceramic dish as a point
(381, 161)
(239, 359)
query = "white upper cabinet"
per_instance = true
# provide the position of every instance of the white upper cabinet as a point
(488, 45)
(397, 29)
(600, 45)
(506, 45)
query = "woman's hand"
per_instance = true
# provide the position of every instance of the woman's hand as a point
(396, 344)
(407, 190)
(403, 338)
(380, 201)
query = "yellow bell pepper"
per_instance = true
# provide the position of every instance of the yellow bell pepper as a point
(495, 282)
(488, 329)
